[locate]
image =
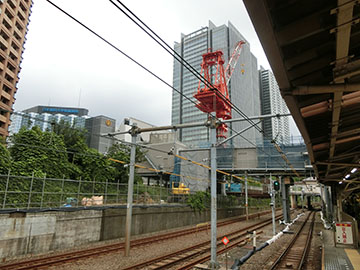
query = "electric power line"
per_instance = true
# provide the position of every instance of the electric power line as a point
(149, 71)
(196, 74)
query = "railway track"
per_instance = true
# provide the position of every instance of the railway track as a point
(295, 254)
(189, 257)
(76, 255)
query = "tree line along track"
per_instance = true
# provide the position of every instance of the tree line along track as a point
(189, 257)
(105, 249)
(295, 254)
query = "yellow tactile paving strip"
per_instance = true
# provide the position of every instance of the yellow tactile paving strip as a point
(354, 257)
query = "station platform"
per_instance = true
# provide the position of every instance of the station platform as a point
(338, 258)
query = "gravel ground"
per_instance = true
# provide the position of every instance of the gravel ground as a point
(264, 258)
(116, 260)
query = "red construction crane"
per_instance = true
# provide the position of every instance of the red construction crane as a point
(215, 97)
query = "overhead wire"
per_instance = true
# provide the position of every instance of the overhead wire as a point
(198, 75)
(116, 48)
(111, 159)
(146, 69)
(181, 157)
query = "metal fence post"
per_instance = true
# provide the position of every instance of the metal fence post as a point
(93, 189)
(137, 192)
(78, 193)
(160, 193)
(6, 189)
(145, 190)
(42, 191)
(106, 188)
(117, 191)
(31, 184)
(246, 197)
(62, 190)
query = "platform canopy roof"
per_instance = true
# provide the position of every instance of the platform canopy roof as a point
(313, 47)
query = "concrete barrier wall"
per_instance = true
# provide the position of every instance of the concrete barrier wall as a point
(35, 233)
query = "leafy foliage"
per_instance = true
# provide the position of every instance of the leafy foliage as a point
(74, 138)
(122, 152)
(5, 161)
(200, 200)
(40, 152)
(63, 154)
(94, 166)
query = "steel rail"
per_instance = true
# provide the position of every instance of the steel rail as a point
(281, 258)
(72, 256)
(199, 249)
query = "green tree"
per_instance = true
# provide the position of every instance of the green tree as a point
(74, 138)
(5, 160)
(121, 152)
(40, 152)
(199, 201)
(94, 166)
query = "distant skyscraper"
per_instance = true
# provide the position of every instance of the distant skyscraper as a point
(43, 116)
(273, 103)
(14, 18)
(243, 86)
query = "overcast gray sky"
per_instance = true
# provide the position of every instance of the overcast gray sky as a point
(65, 65)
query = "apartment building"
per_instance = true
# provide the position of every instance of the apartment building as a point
(14, 18)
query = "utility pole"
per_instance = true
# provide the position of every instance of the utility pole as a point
(213, 261)
(133, 133)
(272, 194)
(284, 195)
(302, 199)
(246, 196)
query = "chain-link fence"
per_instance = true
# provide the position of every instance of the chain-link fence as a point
(26, 192)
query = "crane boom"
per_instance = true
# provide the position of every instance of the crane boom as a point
(233, 61)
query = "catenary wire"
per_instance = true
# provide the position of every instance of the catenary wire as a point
(117, 49)
(126, 55)
(146, 69)
(197, 74)
(172, 52)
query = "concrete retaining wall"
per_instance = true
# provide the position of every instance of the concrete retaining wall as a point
(34, 233)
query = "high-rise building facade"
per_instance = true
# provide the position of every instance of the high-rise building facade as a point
(43, 116)
(272, 103)
(243, 86)
(14, 18)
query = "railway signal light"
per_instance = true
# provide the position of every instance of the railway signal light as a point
(276, 185)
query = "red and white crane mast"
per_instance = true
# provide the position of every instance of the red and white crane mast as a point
(213, 94)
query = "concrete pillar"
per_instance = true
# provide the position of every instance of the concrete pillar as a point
(285, 200)
(309, 202)
(339, 209)
(327, 202)
(293, 201)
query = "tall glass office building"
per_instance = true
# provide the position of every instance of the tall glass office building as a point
(273, 103)
(243, 86)
(43, 120)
